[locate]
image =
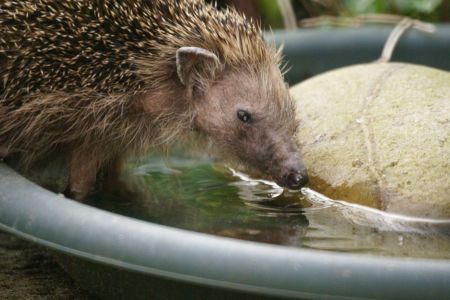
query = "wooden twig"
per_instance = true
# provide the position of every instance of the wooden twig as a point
(363, 19)
(397, 32)
(287, 11)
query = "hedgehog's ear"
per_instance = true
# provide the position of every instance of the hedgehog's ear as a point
(194, 62)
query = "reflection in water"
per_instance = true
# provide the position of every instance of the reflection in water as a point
(195, 194)
(366, 216)
(342, 226)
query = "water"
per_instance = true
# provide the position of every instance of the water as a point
(191, 192)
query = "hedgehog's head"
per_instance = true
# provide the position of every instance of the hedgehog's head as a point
(247, 113)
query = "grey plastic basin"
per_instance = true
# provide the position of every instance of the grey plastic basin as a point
(116, 256)
(313, 51)
(113, 255)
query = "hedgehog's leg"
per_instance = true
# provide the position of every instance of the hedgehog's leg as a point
(3, 151)
(112, 175)
(114, 168)
(83, 168)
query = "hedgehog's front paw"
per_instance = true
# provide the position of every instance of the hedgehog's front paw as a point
(76, 194)
(83, 169)
(81, 181)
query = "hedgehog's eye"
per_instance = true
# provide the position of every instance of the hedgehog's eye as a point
(243, 115)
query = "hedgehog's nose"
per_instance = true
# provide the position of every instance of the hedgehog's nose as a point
(296, 179)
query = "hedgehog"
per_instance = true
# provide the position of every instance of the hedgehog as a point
(98, 82)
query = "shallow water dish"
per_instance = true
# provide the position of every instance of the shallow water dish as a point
(113, 255)
(116, 256)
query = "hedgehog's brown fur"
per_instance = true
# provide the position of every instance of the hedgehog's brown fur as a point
(69, 68)
(72, 72)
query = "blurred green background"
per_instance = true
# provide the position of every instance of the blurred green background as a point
(271, 15)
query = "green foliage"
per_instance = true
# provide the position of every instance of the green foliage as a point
(417, 6)
(421, 9)
(425, 10)
(356, 7)
(271, 13)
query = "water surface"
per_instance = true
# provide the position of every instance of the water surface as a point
(191, 192)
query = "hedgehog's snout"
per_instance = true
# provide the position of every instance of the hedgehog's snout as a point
(295, 179)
